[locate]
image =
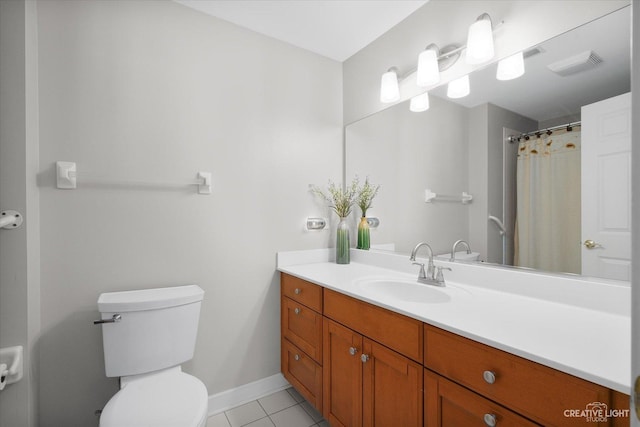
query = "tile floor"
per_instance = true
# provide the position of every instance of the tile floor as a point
(284, 408)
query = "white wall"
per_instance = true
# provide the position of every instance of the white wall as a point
(154, 91)
(19, 248)
(635, 197)
(526, 23)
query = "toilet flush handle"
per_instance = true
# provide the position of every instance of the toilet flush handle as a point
(115, 318)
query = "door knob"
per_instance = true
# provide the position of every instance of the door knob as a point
(364, 358)
(590, 244)
(353, 351)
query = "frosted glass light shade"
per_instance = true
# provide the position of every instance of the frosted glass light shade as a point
(511, 67)
(480, 41)
(389, 90)
(428, 73)
(458, 88)
(419, 103)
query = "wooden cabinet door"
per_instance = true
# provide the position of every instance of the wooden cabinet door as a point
(448, 404)
(342, 376)
(392, 388)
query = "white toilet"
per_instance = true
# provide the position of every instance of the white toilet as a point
(146, 335)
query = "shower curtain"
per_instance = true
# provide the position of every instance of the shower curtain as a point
(547, 235)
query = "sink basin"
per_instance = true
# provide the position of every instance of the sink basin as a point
(403, 290)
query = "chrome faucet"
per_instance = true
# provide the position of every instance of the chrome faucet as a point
(427, 277)
(455, 245)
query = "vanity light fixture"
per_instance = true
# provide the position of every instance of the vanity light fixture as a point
(511, 67)
(458, 88)
(480, 41)
(389, 90)
(419, 103)
(428, 73)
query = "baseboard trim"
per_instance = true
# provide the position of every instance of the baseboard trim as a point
(231, 398)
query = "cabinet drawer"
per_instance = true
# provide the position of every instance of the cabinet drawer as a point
(533, 390)
(302, 291)
(303, 327)
(400, 333)
(448, 404)
(303, 373)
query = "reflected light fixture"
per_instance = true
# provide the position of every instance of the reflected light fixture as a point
(458, 88)
(419, 103)
(428, 72)
(480, 41)
(389, 90)
(511, 67)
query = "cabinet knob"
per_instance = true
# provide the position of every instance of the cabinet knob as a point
(353, 351)
(490, 420)
(364, 358)
(296, 310)
(489, 377)
(296, 357)
(297, 291)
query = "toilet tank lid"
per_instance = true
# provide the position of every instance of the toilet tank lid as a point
(149, 299)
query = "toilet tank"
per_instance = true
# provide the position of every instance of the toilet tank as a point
(157, 328)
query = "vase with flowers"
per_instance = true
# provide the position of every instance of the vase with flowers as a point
(341, 200)
(364, 200)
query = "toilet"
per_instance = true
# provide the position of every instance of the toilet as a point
(147, 334)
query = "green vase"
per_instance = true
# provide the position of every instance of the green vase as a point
(364, 235)
(342, 242)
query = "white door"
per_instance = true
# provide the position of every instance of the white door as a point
(606, 188)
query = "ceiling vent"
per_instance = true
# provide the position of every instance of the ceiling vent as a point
(532, 52)
(581, 62)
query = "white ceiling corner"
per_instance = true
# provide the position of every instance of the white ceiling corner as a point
(336, 29)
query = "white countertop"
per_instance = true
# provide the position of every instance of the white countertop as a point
(577, 338)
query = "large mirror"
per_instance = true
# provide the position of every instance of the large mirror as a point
(471, 145)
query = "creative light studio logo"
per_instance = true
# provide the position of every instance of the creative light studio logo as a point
(596, 412)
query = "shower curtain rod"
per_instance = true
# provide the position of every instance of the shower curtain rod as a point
(548, 131)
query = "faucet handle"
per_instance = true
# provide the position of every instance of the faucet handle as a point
(422, 274)
(439, 275)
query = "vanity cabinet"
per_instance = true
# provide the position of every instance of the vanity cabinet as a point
(448, 404)
(301, 341)
(366, 383)
(526, 388)
(363, 365)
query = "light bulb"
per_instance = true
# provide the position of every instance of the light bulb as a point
(511, 67)
(428, 73)
(458, 88)
(480, 41)
(419, 103)
(389, 91)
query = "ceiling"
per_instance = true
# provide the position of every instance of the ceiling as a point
(333, 28)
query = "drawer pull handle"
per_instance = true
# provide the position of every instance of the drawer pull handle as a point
(297, 310)
(489, 377)
(297, 357)
(353, 351)
(490, 420)
(297, 291)
(364, 358)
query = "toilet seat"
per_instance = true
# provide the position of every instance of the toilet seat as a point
(170, 398)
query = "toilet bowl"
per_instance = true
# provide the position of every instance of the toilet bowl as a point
(146, 335)
(170, 398)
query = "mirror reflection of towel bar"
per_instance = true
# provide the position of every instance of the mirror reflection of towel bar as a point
(430, 196)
